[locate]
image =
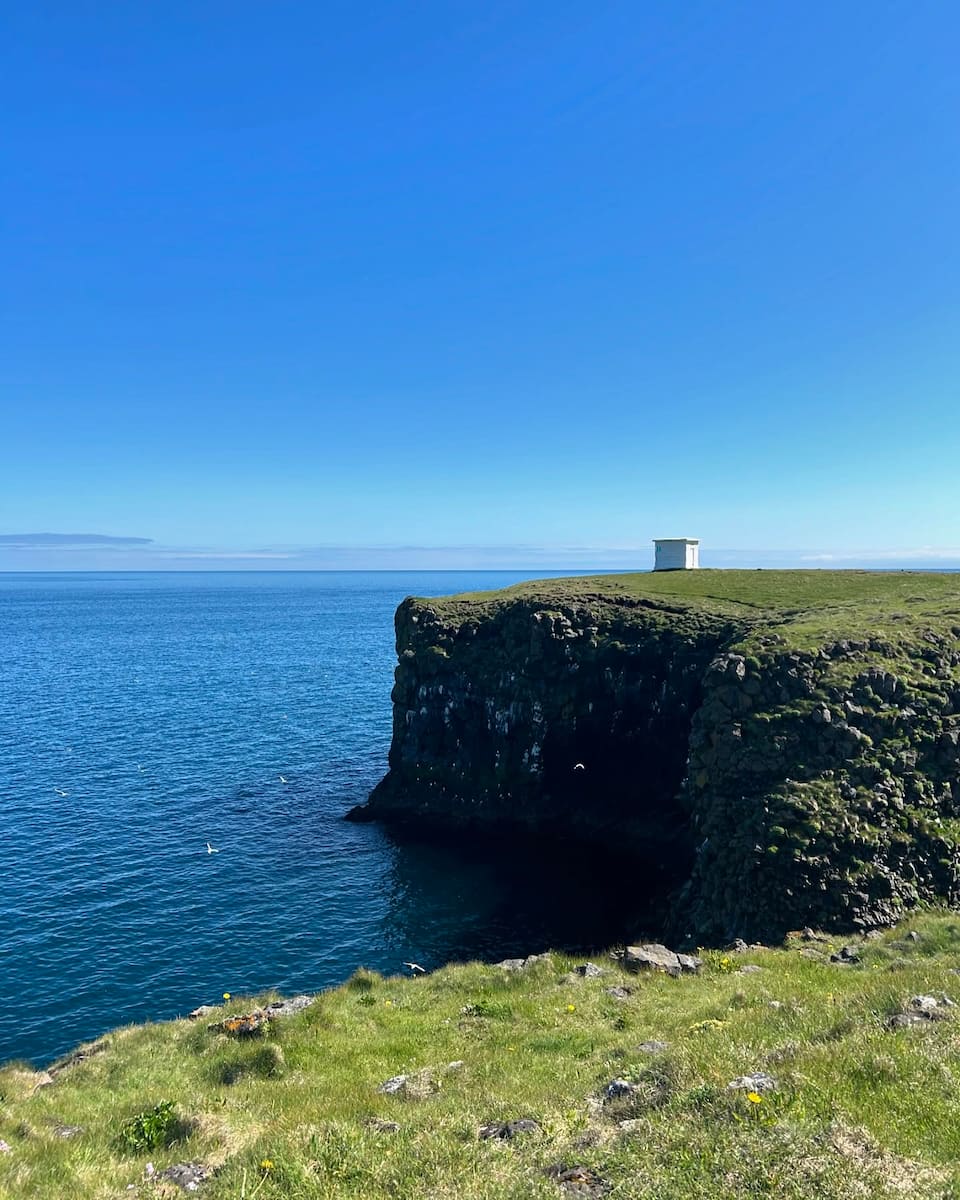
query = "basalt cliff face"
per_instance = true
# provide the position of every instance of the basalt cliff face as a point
(783, 747)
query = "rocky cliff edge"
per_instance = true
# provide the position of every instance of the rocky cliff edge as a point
(784, 747)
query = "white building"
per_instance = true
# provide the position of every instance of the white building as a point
(676, 554)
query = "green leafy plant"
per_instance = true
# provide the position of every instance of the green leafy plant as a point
(487, 1008)
(157, 1126)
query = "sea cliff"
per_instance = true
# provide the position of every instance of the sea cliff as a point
(784, 746)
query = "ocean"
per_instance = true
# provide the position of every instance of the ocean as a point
(145, 715)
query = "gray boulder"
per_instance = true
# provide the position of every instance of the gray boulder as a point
(506, 1130)
(758, 1082)
(187, 1175)
(390, 1087)
(589, 970)
(652, 956)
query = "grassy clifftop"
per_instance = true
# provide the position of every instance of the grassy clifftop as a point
(804, 603)
(774, 1072)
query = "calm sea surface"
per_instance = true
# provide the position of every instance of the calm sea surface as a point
(143, 715)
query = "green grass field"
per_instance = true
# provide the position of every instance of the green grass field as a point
(858, 1109)
(804, 607)
(786, 591)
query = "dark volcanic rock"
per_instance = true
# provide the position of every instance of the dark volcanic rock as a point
(846, 954)
(564, 721)
(507, 1130)
(775, 785)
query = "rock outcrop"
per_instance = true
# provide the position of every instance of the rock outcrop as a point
(785, 762)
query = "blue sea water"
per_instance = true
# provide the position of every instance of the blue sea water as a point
(144, 715)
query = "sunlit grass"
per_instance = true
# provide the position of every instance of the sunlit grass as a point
(804, 607)
(857, 1105)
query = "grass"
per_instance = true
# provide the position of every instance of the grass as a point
(806, 606)
(860, 1109)
(786, 591)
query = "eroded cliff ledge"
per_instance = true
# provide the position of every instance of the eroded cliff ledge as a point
(784, 745)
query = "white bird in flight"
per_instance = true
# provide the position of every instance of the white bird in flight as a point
(283, 779)
(579, 767)
(415, 967)
(210, 849)
(61, 792)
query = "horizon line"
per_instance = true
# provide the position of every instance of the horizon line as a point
(571, 570)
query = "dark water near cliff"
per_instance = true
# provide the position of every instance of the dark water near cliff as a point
(167, 707)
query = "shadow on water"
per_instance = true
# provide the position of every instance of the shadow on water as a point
(456, 899)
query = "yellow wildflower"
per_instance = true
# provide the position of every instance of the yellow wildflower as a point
(226, 995)
(571, 1008)
(754, 1098)
(266, 1164)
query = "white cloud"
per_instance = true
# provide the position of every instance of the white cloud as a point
(921, 553)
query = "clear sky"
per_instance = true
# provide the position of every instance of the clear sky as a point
(478, 284)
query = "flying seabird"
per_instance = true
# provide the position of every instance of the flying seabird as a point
(415, 967)
(210, 849)
(579, 767)
(283, 779)
(61, 792)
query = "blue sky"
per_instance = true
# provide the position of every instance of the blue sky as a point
(372, 284)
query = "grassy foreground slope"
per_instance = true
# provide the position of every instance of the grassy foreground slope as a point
(860, 1098)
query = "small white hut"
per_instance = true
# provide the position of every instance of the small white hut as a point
(676, 554)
